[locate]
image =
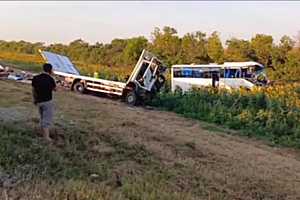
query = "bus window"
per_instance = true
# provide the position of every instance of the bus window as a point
(187, 72)
(176, 73)
(232, 73)
(207, 74)
(193, 73)
(244, 73)
(197, 73)
(238, 73)
(222, 73)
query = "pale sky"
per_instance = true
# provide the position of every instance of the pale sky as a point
(53, 22)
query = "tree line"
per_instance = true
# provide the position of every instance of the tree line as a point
(282, 59)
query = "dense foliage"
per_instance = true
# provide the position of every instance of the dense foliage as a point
(270, 113)
(282, 60)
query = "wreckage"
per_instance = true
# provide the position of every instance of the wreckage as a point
(145, 81)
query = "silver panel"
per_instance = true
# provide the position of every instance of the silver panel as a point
(60, 63)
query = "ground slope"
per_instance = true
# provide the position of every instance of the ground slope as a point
(107, 150)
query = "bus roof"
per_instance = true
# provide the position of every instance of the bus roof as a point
(224, 65)
(242, 64)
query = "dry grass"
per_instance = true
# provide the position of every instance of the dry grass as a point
(155, 155)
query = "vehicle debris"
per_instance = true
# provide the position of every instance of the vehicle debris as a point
(16, 77)
(3, 72)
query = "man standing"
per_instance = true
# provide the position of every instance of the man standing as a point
(42, 87)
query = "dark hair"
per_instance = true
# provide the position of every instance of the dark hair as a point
(47, 67)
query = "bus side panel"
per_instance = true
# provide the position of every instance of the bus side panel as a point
(187, 83)
(236, 83)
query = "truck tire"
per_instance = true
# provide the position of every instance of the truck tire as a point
(79, 87)
(131, 98)
(160, 82)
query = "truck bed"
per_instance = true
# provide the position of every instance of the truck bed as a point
(98, 85)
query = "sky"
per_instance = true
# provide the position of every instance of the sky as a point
(62, 22)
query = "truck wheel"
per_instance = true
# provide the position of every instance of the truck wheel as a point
(160, 82)
(79, 87)
(161, 79)
(131, 98)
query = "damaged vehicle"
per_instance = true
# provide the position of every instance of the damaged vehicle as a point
(146, 79)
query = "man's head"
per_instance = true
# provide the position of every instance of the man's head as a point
(47, 67)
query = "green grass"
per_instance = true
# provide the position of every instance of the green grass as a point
(254, 114)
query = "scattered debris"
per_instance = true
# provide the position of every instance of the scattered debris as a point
(3, 72)
(16, 77)
(10, 74)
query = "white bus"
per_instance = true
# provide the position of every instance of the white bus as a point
(228, 75)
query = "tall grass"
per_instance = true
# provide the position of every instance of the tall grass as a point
(257, 113)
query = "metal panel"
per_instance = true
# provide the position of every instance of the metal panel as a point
(60, 63)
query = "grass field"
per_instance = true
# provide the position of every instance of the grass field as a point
(106, 150)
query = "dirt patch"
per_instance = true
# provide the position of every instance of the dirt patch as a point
(241, 168)
(12, 114)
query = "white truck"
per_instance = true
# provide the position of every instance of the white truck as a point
(145, 81)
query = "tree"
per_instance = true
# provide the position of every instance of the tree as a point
(78, 50)
(166, 44)
(133, 49)
(96, 53)
(262, 46)
(238, 50)
(58, 48)
(297, 42)
(214, 48)
(286, 43)
(279, 53)
(194, 48)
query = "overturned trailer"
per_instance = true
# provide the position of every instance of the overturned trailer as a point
(145, 81)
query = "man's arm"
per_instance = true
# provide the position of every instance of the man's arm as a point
(34, 95)
(53, 85)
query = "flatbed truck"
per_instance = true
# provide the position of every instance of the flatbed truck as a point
(146, 79)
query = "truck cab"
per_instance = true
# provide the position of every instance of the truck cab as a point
(146, 79)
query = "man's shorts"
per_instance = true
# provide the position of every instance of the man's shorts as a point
(46, 110)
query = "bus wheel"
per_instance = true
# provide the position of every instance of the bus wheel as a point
(131, 98)
(79, 87)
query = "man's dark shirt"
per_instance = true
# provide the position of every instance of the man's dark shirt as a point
(43, 85)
